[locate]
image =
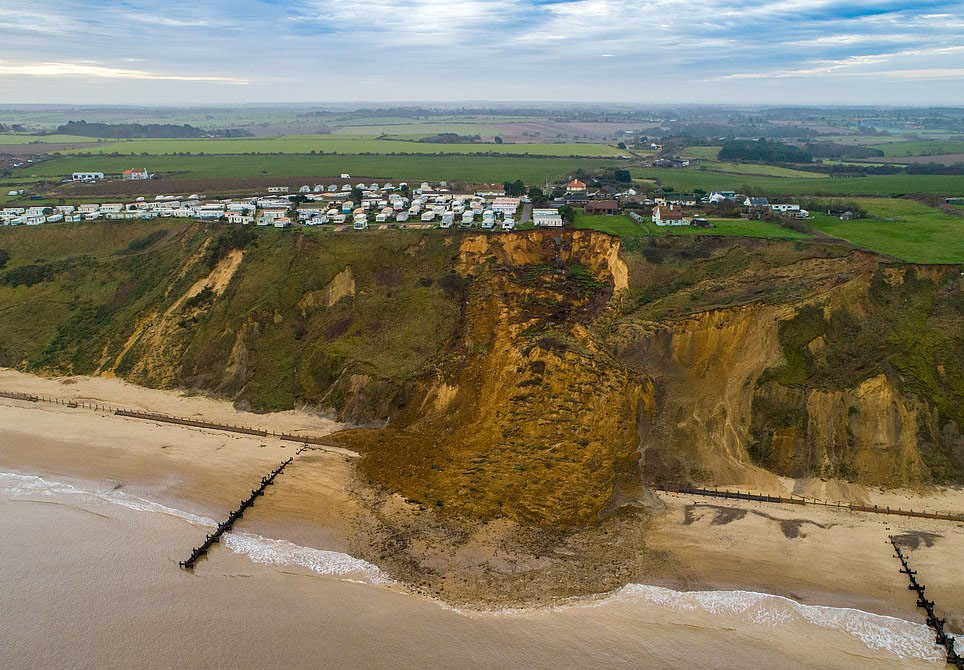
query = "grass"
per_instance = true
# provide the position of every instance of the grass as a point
(701, 153)
(467, 168)
(303, 144)
(760, 170)
(47, 139)
(920, 148)
(685, 180)
(908, 230)
(623, 226)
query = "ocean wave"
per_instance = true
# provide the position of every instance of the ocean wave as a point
(902, 638)
(272, 551)
(257, 549)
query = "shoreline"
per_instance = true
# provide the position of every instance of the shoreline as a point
(693, 545)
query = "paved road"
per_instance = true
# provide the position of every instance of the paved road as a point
(526, 213)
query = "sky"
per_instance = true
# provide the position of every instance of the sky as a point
(188, 52)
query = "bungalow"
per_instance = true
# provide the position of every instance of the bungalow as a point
(88, 208)
(136, 174)
(87, 176)
(506, 206)
(756, 203)
(679, 200)
(277, 189)
(602, 207)
(240, 218)
(548, 218)
(717, 197)
(792, 210)
(575, 186)
(667, 216)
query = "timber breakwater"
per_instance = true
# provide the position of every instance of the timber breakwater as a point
(226, 525)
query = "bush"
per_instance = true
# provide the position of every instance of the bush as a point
(28, 275)
(236, 238)
(4, 257)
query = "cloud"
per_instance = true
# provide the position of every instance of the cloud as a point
(54, 69)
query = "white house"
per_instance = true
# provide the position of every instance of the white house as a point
(136, 174)
(667, 216)
(506, 206)
(277, 189)
(88, 176)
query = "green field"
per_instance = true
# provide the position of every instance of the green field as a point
(700, 153)
(625, 227)
(407, 127)
(920, 148)
(685, 180)
(906, 229)
(303, 144)
(757, 169)
(465, 168)
(46, 139)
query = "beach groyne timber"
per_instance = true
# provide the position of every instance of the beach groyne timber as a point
(757, 497)
(164, 418)
(942, 639)
(226, 525)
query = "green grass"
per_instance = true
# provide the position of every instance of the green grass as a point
(303, 144)
(625, 227)
(685, 180)
(760, 170)
(702, 153)
(46, 139)
(920, 148)
(905, 229)
(467, 168)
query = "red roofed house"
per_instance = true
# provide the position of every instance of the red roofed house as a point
(575, 186)
(602, 207)
(136, 174)
(667, 216)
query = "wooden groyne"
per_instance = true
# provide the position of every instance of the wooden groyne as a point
(225, 526)
(800, 500)
(151, 416)
(942, 639)
(166, 418)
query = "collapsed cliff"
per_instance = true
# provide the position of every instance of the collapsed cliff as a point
(547, 377)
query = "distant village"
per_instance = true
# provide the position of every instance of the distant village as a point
(349, 204)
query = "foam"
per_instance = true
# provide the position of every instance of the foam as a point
(901, 638)
(258, 549)
(272, 551)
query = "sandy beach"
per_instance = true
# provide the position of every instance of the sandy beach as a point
(815, 557)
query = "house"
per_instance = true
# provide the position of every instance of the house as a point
(668, 216)
(277, 189)
(679, 200)
(547, 218)
(671, 163)
(602, 207)
(305, 189)
(717, 197)
(136, 174)
(575, 186)
(790, 210)
(241, 218)
(87, 176)
(756, 203)
(506, 206)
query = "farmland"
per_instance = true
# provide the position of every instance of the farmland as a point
(46, 139)
(903, 228)
(920, 148)
(304, 144)
(684, 179)
(467, 168)
(626, 227)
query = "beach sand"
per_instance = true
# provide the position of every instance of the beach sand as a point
(816, 556)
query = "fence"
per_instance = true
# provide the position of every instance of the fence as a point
(801, 500)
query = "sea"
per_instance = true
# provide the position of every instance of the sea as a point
(89, 578)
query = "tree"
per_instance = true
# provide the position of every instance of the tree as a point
(567, 213)
(621, 145)
(514, 189)
(622, 176)
(498, 140)
(357, 194)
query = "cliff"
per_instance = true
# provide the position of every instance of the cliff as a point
(548, 377)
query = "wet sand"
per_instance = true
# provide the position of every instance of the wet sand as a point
(817, 556)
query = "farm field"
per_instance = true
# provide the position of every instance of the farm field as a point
(759, 169)
(465, 168)
(683, 179)
(47, 139)
(906, 229)
(625, 227)
(303, 144)
(700, 153)
(920, 148)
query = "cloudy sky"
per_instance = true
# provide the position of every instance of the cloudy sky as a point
(655, 51)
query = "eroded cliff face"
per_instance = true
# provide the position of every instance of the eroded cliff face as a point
(528, 416)
(557, 403)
